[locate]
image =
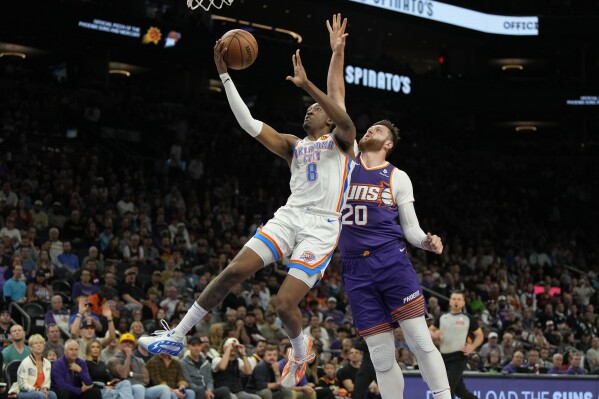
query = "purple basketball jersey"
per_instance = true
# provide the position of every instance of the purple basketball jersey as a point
(370, 218)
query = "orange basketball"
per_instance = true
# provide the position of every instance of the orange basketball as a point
(242, 49)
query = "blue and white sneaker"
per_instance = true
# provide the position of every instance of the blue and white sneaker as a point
(164, 341)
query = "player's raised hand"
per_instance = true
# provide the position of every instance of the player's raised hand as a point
(337, 35)
(219, 54)
(433, 243)
(299, 77)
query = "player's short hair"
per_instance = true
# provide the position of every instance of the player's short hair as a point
(393, 132)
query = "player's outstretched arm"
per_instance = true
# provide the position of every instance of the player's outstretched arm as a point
(280, 144)
(346, 131)
(337, 38)
(404, 197)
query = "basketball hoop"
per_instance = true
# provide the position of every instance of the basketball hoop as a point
(206, 4)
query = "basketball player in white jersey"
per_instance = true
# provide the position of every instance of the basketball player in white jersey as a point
(306, 229)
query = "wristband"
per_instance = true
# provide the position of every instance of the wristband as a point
(79, 315)
(224, 77)
(110, 321)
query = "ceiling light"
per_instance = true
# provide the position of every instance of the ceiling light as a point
(508, 67)
(13, 54)
(294, 35)
(526, 128)
(119, 72)
(267, 27)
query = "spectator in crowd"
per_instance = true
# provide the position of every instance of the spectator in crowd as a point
(18, 350)
(112, 349)
(170, 302)
(592, 355)
(270, 329)
(516, 365)
(68, 262)
(98, 300)
(111, 389)
(39, 216)
(84, 332)
(166, 370)
(227, 369)
(329, 382)
(532, 362)
(85, 287)
(575, 367)
(492, 344)
(127, 366)
(258, 354)
(332, 311)
(197, 370)
(74, 229)
(15, 290)
(5, 324)
(86, 315)
(347, 373)
(544, 361)
(133, 253)
(54, 342)
(266, 377)
(39, 291)
(70, 377)
(508, 347)
(493, 362)
(34, 373)
(314, 326)
(251, 329)
(155, 283)
(10, 233)
(130, 292)
(557, 363)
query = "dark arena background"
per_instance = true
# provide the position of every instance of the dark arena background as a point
(116, 134)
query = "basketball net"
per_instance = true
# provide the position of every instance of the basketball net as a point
(206, 4)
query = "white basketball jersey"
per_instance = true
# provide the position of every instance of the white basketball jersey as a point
(320, 173)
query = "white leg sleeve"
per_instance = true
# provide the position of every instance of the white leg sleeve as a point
(429, 358)
(388, 374)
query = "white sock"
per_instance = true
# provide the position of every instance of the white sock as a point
(192, 317)
(299, 345)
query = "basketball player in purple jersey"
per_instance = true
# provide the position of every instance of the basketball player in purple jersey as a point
(306, 229)
(378, 277)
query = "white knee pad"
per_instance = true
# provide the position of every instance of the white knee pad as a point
(417, 334)
(383, 357)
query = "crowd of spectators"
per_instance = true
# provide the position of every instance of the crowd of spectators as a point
(109, 245)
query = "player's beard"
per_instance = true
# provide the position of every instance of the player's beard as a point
(371, 145)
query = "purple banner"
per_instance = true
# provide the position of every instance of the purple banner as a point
(498, 386)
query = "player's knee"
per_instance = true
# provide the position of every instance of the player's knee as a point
(424, 341)
(383, 357)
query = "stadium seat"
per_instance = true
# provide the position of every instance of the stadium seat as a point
(61, 286)
(11, 372)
